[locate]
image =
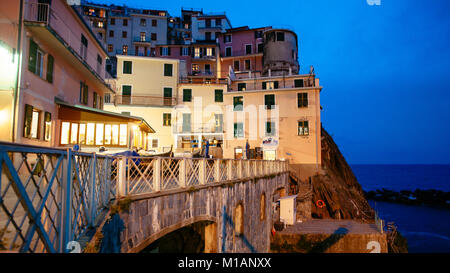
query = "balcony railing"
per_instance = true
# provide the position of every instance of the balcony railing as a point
(196, 128)
(145, 100)
(142, 40)
(44, 14)
(203, 81)
(239, 53)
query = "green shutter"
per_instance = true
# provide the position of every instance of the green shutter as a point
(167, 92)
(264, 85)
(218, 96)
(27, 120)
(50, 61)
(187, 94)
(126, 90)
(127, 67)
(275, 84)
(168, 70)
(85, 94)
(32, 56)
(305, 99)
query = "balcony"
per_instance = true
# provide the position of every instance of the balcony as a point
(144, 100)
(202, 73)
(256, 84)
(47, 25)
(203, 81)
(197, 128)
(242, 53)
(142, 40)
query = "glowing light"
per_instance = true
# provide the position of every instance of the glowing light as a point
(8, 67)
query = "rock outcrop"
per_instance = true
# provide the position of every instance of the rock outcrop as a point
(337, 187)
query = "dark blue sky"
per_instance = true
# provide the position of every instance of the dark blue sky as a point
(385, 70)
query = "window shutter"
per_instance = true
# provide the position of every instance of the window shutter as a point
(27, 120)
(181, 51)
(214, 51)
(160, 51)
(264, 85)
(86, 94)
(32, 56)
(305, 99)
(50, 61)
(275, 84)
(168, 51)
(81, 91)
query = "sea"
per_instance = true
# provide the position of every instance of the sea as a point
(426, 228)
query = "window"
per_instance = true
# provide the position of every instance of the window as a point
(298, 83)
(228, 52)
(112, 22)
(167, 119)
(164, 51)
(99, 127)
(99, 63)
(168, 70)
(207, 36)
(302, 100)
(111, 33)
(154, 23)
(143, 22)
(247, 65)
(123, 135)
(227, 38)
(238, 130)
(185, 51)
(236, 66)
(31, 122)
(238, 103)
(218, 95)
(125, 22)
(248, 49)
(210, 52)
(197, 52)
(155, 143)
(269, 101)
(84, 93)
(84, 45)
(280, 36)
(142, 36)
(65, 129)
(153, 37)
(207, 68)
(127, 67)
(303, 128)
(47, 126)
(124, 34)
(270, 128)
(218, 118)
(186, 122)
(115, 134)
(108, 134)
(125, 50)
(258, 34)
(167, 96)
(187, 94)
(110, 48)
(126, 94)
(94, 103)
(195, 68)
(260, 48)
(242, 86)
(50, 61)
(39, 63)
(218, 22)
(82, 134)
(270, 85)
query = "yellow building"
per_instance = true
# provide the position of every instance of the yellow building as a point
(279, 116)
(147, 87)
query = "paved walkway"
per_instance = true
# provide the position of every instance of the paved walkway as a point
(329, 226)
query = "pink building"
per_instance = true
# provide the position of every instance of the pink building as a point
(241, 49)
(62, 83)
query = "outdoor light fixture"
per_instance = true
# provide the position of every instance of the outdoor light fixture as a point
(8, 66)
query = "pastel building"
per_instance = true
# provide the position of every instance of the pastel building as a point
(60, 95)
(147, 87)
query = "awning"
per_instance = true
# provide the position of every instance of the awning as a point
(72, 112)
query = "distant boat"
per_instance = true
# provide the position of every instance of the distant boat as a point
(152, 154)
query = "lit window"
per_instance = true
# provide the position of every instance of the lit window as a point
(107, 134)
(65, 128)
(209, 51)
(74, 133)
(167, 119)
(303, 128)
(185, 51)
(123, 135)
(115, 134)
(99, 134)
(82, 135)
(238, 130)
(197, 52)
(90, 136)
(35, 124)
(238, 103)
(47, 126)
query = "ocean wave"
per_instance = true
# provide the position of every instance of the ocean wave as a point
(427, 234)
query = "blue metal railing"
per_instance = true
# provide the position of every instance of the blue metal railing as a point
(50, 196)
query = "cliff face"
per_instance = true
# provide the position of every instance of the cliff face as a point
(337, 187)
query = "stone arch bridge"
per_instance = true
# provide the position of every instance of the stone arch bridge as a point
(52, 198)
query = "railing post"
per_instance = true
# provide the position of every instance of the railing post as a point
(66, 230)
(202, 171)
(107, 180)
(229, 164)
(217, 170)
(182, 175)
(240, 175)
(157, 174)
(92, 190)
(121, 174)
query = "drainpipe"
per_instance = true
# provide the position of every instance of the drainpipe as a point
(19, 63)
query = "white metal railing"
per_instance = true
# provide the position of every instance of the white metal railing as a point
(139, 175)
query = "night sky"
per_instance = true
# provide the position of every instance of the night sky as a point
(385, 70)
